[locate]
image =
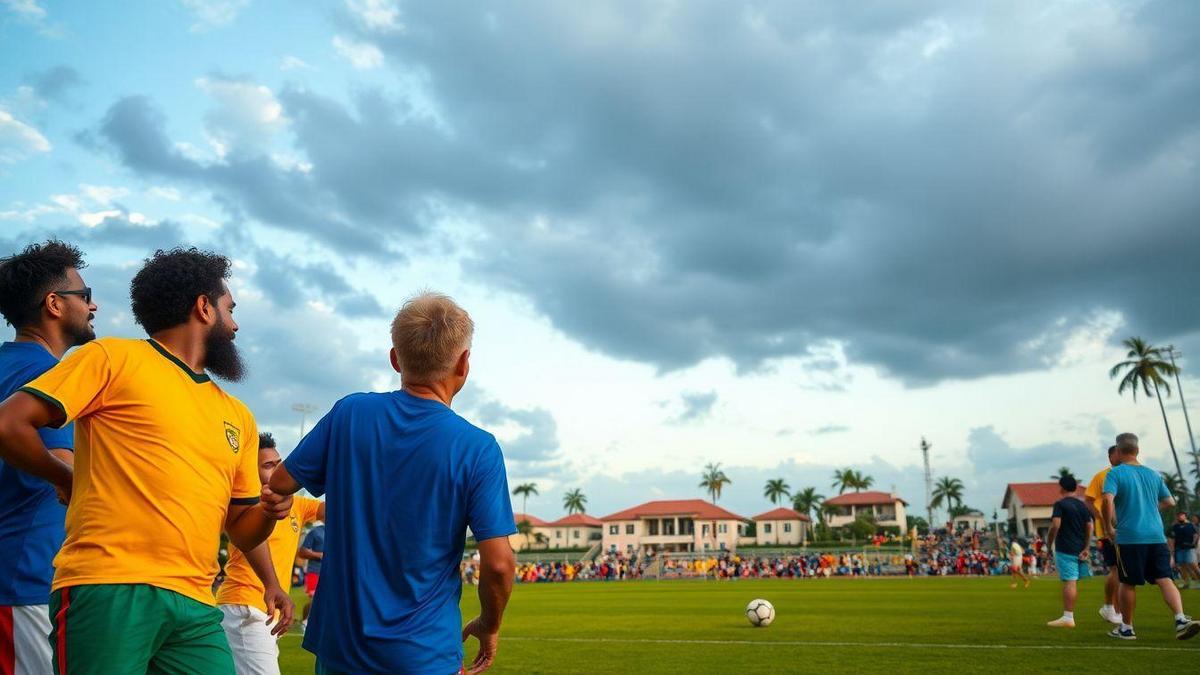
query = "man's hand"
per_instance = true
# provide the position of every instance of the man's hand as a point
(1084, 554)
(276, 506)
(489, 641)
(279, 601)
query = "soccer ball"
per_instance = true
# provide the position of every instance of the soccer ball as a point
(760, 612)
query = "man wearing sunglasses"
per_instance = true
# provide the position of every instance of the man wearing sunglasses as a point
(43, 297)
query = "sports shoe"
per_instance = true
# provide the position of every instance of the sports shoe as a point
(1110, 615)
(1122, 634)
(1061, 622)
(1186, 628)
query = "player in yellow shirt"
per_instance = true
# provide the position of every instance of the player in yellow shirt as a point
(1111, 611)
(164, 460)
(257, 583)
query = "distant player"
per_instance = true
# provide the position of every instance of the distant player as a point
(255, 592)
(164, 460)
(43, 297)
(1133, 496)
(1183, 548)
(1016, 563)
(1108, 548)
(312, 551)
(405, 477)
(1070, 535)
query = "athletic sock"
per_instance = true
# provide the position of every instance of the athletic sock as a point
(1106, 608)
(1181, 617)
(1069, 615)
(1126, 626)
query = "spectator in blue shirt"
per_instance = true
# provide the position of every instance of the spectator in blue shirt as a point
(1133, 496)
(404, 477)
(43, 297)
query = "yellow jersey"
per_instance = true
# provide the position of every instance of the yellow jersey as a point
(1095, 492)
(160, 454)
(242, 586)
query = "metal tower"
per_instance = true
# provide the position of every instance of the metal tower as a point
(925, 446)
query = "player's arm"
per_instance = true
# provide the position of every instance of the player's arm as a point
(497, 569)
(1055, 524)
(21, 415)
(1166, 503)
(282, 483)
(249, 525)
(274, 596)
(1110, 516)
(1087, 540)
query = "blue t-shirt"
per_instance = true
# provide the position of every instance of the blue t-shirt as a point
(1136, 491)
(403, 478)
(31, 519)
(314, 541)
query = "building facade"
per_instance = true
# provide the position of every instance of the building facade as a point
(781, 527)
(887, 509)
(577, 530)
(1030, 506)
(672, 525)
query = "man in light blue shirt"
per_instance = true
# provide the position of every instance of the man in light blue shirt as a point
(1133, 496)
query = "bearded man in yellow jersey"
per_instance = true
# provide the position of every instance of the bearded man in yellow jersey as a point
(253, 590)
(164, 460)
(1094, 498)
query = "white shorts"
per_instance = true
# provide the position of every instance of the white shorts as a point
(1016, 563)
(255, 651)
(25, 640)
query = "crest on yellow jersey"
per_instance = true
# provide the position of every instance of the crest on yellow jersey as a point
(234, 436)
(295, 524)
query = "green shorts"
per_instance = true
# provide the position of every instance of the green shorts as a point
(135, 628)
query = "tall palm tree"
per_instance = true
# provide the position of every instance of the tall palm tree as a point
(807, 500)
(948, 491)
(524, 490)
(1175, 485)
(1145, 368)
(575, 502)
(843, 479)
(524, 528)
(713, 480)
(1063, 472)
(776, 489)
(861, 481)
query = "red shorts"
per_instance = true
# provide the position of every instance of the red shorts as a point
(310, 582)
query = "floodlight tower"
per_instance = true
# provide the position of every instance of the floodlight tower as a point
(925, 446)
(305, 410)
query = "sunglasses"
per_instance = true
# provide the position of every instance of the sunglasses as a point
(85, 293)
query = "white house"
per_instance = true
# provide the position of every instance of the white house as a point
(781, 527)
(538, 537)
(887, 509)
(972, 520)
(672, 525)
(577, 530)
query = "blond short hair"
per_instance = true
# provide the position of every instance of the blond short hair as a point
(429, 333)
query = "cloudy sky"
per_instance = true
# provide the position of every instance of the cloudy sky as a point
(782, 236)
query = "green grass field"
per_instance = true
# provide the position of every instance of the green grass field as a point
(833, 625)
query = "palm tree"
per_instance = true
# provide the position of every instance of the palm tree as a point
(1145, 369)
(843, 479)
(776, 489)
(574, 501)
(525, 489)
(1175, 485)
(862, 482)
(948, 491)
(524, 528)
(807, 500)
(1063, 472)
(713, 480)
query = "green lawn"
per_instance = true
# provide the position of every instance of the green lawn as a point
(835, 625)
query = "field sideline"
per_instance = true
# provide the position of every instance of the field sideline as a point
(832, 625)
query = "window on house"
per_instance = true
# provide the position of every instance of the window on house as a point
(766, 528)
(787, 527)
(629, 528)
(558, 534)
(722, 545)
(576, 534)
(652, 527)
(614, 529)
(704, 531)
(668, 526)
(722, 528)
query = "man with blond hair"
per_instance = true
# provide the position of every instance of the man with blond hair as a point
(404, 477)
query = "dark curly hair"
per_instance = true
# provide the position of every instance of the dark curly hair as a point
(266, 440)
(26, 278)
(164, 291)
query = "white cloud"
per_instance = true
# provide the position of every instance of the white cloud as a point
(29, 10)
(212, 13)
(362, 55)
(294, 63)
(19, 140)
(381, 15)
(168, 193)
(245, 118)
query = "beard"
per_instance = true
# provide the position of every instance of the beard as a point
(221, 357)
(81, 333)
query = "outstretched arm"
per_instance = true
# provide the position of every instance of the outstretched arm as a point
(275, 598)
(21, 415)
(249, 525)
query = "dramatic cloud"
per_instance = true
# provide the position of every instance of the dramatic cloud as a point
(528, 436)
(246, 116)
(939, 193)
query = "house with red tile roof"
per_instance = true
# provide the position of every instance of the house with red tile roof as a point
(1030, 506)
(672, 525)
(577, 530)
(781, 527)
(886, 508)
(538, 537)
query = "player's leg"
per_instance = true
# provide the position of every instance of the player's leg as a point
(105, 628)
(255, 651)
(196, 643)
(1068, 573)
(24, 641)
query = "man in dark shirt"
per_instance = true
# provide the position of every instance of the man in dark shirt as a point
(1070, 536)
(1183, 550)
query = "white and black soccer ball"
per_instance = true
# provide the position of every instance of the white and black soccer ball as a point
(760, 613)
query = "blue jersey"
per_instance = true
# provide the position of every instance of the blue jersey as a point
(315, 542)
(31, 519)
(1136, 492)
(403, 479)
